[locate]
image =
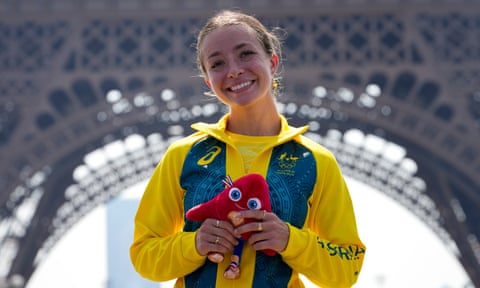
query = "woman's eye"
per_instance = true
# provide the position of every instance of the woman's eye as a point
(216, 64)
(246, 53)
(235, 194)
(254, 204)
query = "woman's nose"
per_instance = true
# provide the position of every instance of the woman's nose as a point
(234, 70)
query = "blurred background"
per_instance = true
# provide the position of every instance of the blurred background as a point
(92, 93)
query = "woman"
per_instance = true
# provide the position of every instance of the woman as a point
(312, 225)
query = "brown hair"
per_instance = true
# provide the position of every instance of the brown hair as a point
(269, 41)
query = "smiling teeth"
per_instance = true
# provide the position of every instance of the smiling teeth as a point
(240, 86)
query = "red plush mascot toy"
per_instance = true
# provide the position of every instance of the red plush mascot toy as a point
(249, 192)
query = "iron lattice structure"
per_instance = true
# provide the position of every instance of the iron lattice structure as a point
(92, 92)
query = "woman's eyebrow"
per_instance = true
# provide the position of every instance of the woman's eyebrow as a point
(237, 47)
(214, 54)
(240, 46)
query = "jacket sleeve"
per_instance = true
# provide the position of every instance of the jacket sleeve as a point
(327, 250)
(160, 250)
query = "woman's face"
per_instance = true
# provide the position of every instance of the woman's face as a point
(238, 70)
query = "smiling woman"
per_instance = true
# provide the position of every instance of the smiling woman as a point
(383, 223)
(239, 58)
(239, 74)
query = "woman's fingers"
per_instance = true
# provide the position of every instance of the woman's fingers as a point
(215, 236)
(270, 232)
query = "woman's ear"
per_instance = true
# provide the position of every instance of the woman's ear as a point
(208, 93)
(208, 83)
(274, 62)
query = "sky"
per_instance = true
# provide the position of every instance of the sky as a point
(401, 250)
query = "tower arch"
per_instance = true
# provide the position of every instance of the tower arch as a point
(393, 93)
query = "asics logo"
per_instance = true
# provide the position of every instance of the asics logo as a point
(210, 156)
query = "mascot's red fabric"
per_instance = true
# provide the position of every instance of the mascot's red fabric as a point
(249, 192)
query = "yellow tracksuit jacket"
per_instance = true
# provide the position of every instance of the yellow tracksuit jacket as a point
(307, 191)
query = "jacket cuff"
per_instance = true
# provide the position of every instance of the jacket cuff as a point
(189, 251)
(297, 243)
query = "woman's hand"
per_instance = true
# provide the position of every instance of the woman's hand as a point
(271, 232)
(215, 236)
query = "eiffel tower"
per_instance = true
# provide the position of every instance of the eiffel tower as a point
(92, 92)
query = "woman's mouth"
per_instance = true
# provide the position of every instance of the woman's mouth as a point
(240, 86)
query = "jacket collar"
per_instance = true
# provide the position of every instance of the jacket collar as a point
(218, 129)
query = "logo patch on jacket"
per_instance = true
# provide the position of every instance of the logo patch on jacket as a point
(210, 156)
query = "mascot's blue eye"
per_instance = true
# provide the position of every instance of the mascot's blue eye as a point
(254, 204)
(235, 194)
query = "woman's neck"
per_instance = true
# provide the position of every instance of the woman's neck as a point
(263, 122)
